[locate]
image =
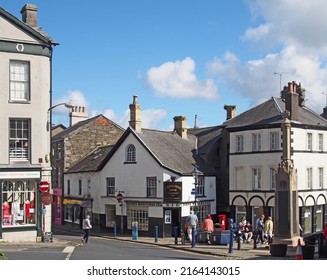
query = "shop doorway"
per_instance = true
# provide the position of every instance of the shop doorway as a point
(172, 222)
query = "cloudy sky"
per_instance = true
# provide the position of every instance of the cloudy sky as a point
(186, 58)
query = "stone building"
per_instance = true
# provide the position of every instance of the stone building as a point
(69, 147)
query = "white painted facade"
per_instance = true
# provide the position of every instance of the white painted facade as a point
(21, 43)
(242, 191)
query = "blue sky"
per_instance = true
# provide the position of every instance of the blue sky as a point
(184, 57)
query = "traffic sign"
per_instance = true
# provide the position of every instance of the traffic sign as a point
(46, 198)
(44, 186)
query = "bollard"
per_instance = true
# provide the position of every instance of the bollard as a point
(176, 235)
(134, 231)
(156, 234)
(115, 230)
(239, 242)
(193, 237)
(255, 238)
(231, 241)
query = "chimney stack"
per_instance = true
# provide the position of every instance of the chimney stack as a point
(292, 101)
(231, 111)
(180, 126)
(77, 114)
(135, 115)
(29, 15)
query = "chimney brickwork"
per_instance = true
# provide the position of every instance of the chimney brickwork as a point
(180, 126)
(135, 115)
(292, 101)
(230, 111)
(77, 114)
(29, 15)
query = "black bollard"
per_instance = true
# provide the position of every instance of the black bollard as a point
(255, 238)
(239, 242)
(156, 234)
(231, 241)
(176, 235)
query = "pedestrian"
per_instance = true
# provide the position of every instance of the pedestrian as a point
(192, 221)
(259, 228)
(269, 227)
(86, 226)
(325, 231)
(207, 227)
(248, 232)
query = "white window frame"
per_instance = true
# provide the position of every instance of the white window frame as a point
(256, 142)
(309, 174)
(200, 186)
(111, 186)
(256, 178)
(130, 153)
(239, 143)
(19, 139)
(151, 186)
(309, 141)
(19, 80)
(274, 141)
(321, 177)
(139, 214)
(272, 178)
(321, 142)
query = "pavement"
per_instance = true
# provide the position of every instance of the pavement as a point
(243, 252)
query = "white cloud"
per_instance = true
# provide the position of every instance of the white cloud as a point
(293, 31)
(177, 79)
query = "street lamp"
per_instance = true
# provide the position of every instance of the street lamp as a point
(67, 105)
(195, 173)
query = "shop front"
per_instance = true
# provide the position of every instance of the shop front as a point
(75, 209)
(21, 211)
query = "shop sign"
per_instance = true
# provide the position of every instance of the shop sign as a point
(46, 198)
(172, 192)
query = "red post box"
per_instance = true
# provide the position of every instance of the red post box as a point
(222, 221)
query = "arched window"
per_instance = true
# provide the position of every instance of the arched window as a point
(130, 153)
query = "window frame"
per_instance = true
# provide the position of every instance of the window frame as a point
(130, 155)
(18, 95)
(256, 142)
(18, 137)
(256, 182)
(274, 141)
(110, 188)
(239, 143)
(151, 186)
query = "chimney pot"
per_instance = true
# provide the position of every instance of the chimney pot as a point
(231, 111)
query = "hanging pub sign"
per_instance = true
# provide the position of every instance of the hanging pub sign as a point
(172, 192)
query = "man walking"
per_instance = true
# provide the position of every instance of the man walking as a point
(86, 226)
(192, 221)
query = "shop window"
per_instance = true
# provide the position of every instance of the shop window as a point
(139, 214)
(18, 203)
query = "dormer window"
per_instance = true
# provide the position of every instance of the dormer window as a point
(130, 153)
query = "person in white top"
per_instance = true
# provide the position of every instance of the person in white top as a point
(86, 226)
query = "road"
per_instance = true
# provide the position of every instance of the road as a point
(100, 248)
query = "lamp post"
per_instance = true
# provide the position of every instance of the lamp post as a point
(48, 158)
(195, 173)
(66, 104)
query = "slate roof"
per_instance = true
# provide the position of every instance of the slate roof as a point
(61, 135)
(91, 162)
(35, 32)
(270, 112)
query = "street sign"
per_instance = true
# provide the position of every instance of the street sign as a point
(44, 186)
(194, 192)
(46, 198)
(119, 197)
